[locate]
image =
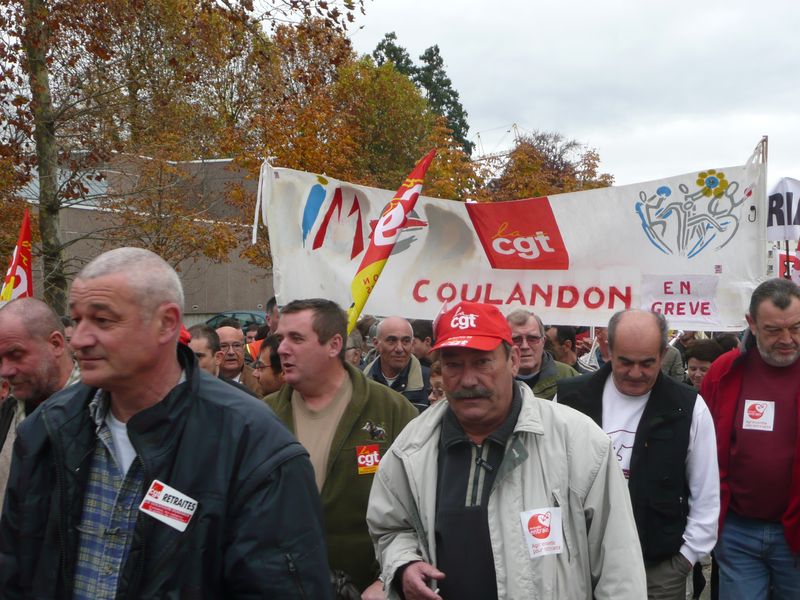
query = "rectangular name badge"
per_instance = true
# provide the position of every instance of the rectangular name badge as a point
(759, 415)
(542, 531)
(168, 505)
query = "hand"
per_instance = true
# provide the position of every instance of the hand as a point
(415, 581)
(374, 591)
(583, 346)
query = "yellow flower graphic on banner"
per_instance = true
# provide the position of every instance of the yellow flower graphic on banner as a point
(713, 183)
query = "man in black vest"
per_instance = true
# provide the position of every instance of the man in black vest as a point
(663, 436)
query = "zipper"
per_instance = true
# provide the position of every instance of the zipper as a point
(62, 495)
(295, 575)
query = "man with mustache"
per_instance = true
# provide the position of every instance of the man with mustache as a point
(753, 396)
(495, 493)
(663, 437)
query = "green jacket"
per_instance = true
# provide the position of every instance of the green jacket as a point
(345, 493)
(550, 373)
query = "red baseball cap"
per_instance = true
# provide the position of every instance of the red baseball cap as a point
(471, 325)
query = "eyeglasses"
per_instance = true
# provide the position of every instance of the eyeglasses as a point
(235, 346)
(259, 365)
(532, 340)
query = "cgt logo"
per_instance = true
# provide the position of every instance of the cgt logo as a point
(367, 458)
(520, 235)
(462, 320)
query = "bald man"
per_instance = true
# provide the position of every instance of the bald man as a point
(36, 362)
(663, 436)
(396, 366)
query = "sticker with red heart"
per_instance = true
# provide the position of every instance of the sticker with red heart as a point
(539, 525)
(756, 410)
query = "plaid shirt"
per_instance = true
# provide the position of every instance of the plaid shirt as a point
(110, 510)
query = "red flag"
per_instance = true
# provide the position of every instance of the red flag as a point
(19, 279)
(387, 229)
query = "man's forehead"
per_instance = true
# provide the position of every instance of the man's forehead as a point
(296, 322)
(465, 353)
(527, 327)
(395, 327)
(230, 334)
(199, 344)
(768, 310)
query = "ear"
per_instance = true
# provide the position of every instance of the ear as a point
(168, 316)
(335, 345)
(514, 358)
(568, 345)
(751, 322)
(219, 356)
(58, 343)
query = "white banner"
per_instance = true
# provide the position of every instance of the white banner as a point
(691, 246)
(783, 211)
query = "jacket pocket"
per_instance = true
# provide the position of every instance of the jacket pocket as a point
(566, 533)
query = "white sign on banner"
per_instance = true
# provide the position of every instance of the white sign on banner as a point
(690, 298)
(574, 259)
(783, 211)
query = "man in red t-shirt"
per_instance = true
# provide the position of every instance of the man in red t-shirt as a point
(753, 395)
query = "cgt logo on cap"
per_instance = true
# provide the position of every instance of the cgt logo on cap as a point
(471, 325)
(462, 320)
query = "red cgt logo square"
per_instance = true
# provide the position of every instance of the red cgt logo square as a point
(522, 234)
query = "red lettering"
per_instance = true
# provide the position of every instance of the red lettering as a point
(686, 287)
(680, 308)
(668, 287)
(615, 293)
(488, 298)
(705, 308)
(600, 297)
(563, 302)
(416, 293)
(442, 288)
(656, 307)
(516, 295)
(476, 297)
(546, 296)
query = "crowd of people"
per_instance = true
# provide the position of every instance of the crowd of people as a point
(479, 455)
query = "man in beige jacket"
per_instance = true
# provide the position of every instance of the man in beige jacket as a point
(498, 494)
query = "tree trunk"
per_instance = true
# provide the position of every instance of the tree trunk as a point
(37, 40)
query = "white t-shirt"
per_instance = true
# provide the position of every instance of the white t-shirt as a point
(123, 449)
(621, 416)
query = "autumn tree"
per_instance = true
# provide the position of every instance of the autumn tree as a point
(82, 80)
(432, 79)
(542, 164)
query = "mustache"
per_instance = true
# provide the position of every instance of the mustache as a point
(470, 393)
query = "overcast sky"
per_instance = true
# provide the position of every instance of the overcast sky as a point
(659, 89)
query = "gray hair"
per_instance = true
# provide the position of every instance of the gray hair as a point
(522, 316)
(149, 276)
(779, 291)
(660, 320)
(36, 317)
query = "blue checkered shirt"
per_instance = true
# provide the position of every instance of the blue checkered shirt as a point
(110, 510)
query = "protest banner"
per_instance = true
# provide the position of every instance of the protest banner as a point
(691, 246)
